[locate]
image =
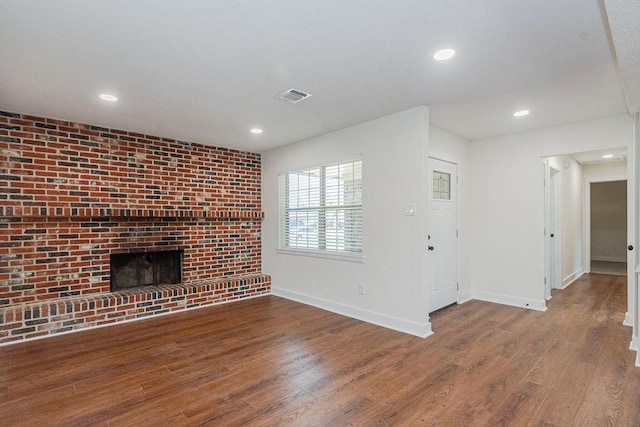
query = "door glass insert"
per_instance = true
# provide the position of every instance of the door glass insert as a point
(441, 185)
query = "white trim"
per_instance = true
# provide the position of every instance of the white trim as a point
(608, 259)
(421, 330)
(552, 216)
(338, 256)
(122, 322)
(572, 277)
(531, 304)
(633, 183)
(628, 319)
(464, 297)
(586, 210)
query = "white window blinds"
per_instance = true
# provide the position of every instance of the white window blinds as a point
(321, 208)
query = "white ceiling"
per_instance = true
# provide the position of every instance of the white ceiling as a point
(207, 71)
(624, 20)
(596, 157)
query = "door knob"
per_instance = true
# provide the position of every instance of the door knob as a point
(630, 247)
(430, 248)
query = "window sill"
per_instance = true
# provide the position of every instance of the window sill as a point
(320, 254)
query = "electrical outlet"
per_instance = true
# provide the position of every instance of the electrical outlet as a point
(362, 289)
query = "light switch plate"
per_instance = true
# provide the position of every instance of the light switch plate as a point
(410, 209)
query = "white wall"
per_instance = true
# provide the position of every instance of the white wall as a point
(393, 151)
(600, 172)
(452, 148)
(501, 215)
(507, 221)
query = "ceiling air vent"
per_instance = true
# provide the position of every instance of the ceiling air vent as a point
(292, 96)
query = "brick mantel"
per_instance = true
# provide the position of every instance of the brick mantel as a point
(35, 212)
(71, 194)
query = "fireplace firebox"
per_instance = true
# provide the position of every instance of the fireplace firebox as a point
(134, 270)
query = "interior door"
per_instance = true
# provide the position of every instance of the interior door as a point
(553, 255)
(442, 239)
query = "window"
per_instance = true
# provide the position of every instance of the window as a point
(321, 209)
(441, 186)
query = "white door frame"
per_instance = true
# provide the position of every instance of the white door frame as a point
(552, 225)
(633, 185)
(587, 214)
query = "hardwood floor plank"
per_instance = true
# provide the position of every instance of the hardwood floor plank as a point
(546, 371)
(558, 409)
(520, 406)
(630, 406)
(269, 361)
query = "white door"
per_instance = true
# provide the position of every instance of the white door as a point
(442, 239)
(555, 230)
(553, 274)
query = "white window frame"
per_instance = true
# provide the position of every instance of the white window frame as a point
(326, 242)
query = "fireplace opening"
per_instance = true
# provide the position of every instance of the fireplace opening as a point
(139, 269)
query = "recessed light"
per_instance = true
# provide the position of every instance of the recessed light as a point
(256, 130)
(521, 113)
(444, 54)
(108, 97)
(607, 156)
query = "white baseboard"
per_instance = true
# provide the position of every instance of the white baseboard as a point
(608, 258)
(572, 277)
(538, 305)
(635, 346)
(421, 330)
(628, 319)
(464, 297)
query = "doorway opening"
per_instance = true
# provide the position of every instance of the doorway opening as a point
(608, 227)
(569, 179)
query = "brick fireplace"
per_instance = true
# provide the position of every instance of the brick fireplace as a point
(74, 195)
(145, 268)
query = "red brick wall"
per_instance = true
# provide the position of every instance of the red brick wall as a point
(47, 163)
(71, 194)
(59, 257)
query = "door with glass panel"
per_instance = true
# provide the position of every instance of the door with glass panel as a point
(442, 245)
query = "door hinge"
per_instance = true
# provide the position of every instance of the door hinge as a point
(545, 280)
(457, 286)
(457, 179)
(457, 234)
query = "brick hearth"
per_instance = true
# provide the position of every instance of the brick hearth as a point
(72, 194)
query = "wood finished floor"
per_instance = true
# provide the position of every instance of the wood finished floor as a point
(270, 361)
